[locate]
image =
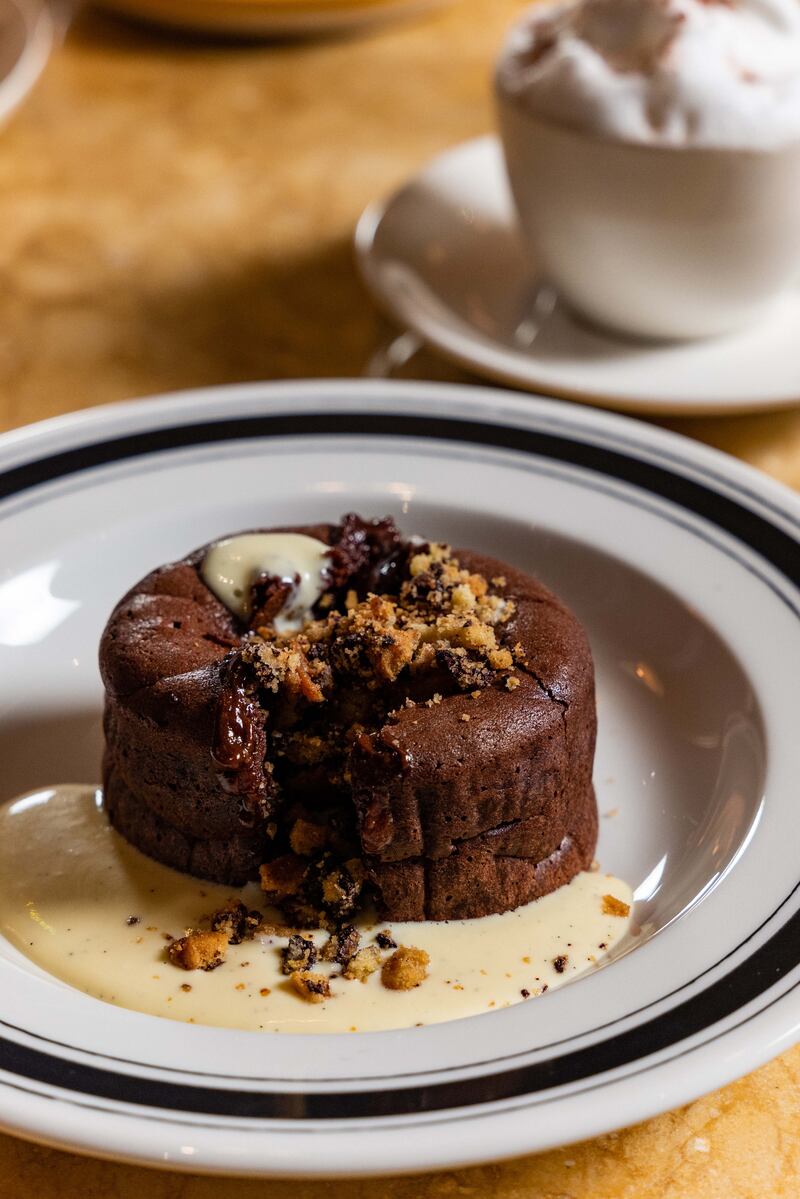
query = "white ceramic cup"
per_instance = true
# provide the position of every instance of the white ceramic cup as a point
(654, 241)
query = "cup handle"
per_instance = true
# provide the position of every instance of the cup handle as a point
(392, 355)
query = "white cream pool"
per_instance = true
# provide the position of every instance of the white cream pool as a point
(70, 886)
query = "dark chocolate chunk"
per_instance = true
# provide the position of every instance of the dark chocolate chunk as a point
(299, 954)
(341, 945)
(239, 922)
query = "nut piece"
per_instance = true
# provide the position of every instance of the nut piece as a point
(199, 951)
(363, 963)
(615, 907)
(406, 968)
(275, 930)
(299, 954)
(283, 876)
(306, 838)
(341, 945)
(237, 922)
(314, 988)
(341, 888)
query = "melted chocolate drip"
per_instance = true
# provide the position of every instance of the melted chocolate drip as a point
(365, 555)
(235, 737)
(238, 742)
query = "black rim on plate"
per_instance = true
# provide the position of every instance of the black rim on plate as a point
(766, 966)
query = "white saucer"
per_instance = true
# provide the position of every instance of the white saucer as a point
(682, 564)
(444, 257)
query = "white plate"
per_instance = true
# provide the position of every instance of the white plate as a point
(269, 18)
(444, 257)
(683, 565)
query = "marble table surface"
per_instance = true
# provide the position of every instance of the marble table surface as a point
(176, 213)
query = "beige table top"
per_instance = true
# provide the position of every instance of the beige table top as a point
(180, 214)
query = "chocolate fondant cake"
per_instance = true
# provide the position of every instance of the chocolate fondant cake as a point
(350, 713)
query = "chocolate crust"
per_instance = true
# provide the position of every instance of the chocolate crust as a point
(501, 869)
(232, 860)
(469, 806)
(477, 878)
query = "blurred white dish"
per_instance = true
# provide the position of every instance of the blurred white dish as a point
(26, 38)
(444, 256)
(268, 18)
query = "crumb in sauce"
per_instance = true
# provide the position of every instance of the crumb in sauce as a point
(615, 907)
(314, 988)
(198, 951)
(405, 969)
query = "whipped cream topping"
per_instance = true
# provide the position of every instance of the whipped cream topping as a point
(232, 566)
(676, 72)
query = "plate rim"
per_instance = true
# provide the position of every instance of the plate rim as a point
(678, 448)
(476, 403)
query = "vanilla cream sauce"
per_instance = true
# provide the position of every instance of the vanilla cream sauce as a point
(231, 567)
(90, 909)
